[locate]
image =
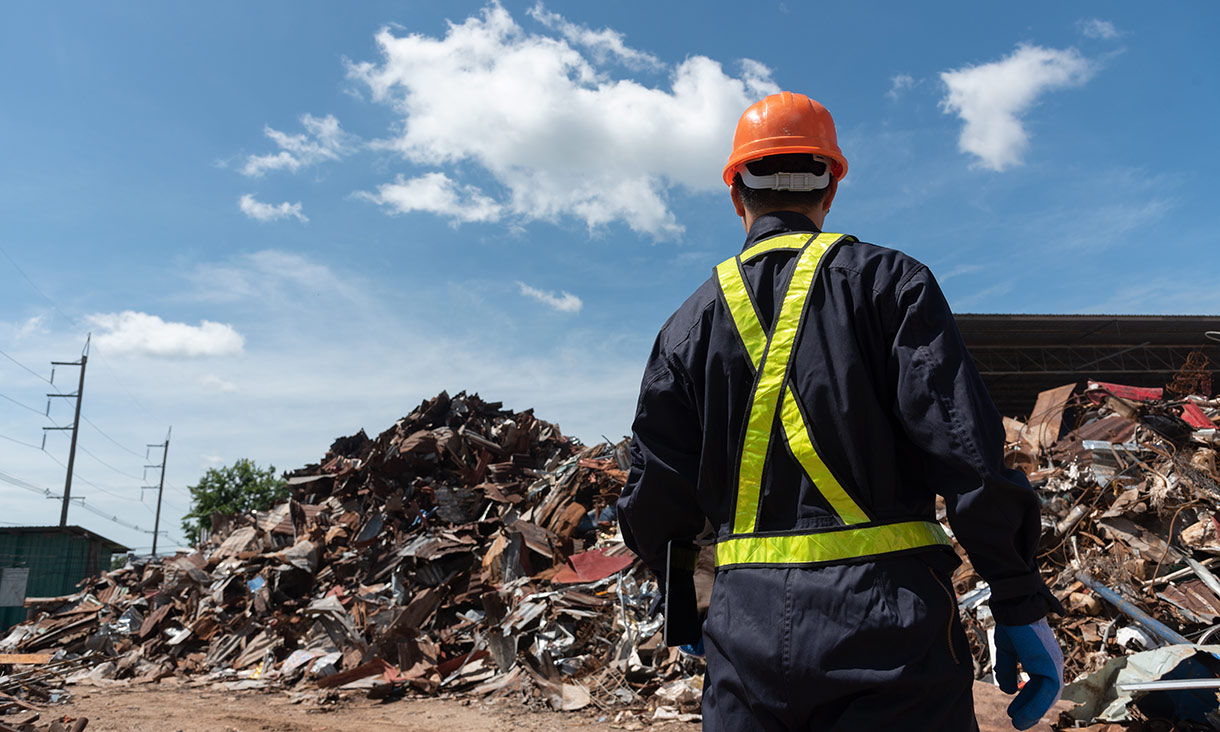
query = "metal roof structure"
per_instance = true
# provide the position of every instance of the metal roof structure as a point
(108, 544)
(1021, 355)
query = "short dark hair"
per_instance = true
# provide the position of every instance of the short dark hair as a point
(764, 199)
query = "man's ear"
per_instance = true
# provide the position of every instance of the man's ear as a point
(738, 205)
(829, 198)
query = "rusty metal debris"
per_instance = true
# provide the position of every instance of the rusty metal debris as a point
(471, 550)
(1130, 498)
(466, 550)
(34, 680)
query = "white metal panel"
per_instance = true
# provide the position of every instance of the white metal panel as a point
(12, 586)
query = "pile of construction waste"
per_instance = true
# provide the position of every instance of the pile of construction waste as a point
(1130, 495)
(467, 549)
(470, 550)
(33, 681)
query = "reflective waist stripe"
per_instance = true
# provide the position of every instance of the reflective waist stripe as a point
(769, 354)
(829, 546)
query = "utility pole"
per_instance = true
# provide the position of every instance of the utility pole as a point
(79, 396)
(160, 486)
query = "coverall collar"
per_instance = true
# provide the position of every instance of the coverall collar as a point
(777, 222)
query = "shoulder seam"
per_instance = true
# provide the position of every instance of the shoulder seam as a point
(686, 336)
(902, 284)
(856, 272)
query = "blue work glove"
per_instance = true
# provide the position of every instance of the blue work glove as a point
(695, 649)
(1035, 647)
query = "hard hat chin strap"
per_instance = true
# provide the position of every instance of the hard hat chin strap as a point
(786, 181)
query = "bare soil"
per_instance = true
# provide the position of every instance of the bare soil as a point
(171, 706)
(168, 707)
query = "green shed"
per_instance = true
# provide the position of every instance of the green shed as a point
(47, 561)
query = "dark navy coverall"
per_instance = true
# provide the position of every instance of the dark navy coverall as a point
(899, 414)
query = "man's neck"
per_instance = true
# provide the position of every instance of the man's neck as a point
(818, 217)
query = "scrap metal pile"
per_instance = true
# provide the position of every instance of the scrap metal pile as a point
(467, 549)
(33, 681)
(1130, 498)
(471, 550)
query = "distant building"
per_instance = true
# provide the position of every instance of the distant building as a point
(47, 561)
(1021, 355)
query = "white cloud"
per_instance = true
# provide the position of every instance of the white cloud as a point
(992, 98)
(989, 298)
(899, 84)
(564, 302)
(142, 334)
(260, 211)
(1097, 28)
(214, 382)
(534, 115)
(604, 44)
(330, 348)
(271, 280)
(436, 193)
(1159, 295)
(958, 271)
(32, 325)
(322, 140)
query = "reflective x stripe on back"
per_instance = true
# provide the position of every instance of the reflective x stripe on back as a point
(769, 354)
(774, 370)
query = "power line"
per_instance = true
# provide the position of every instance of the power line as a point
(58, 462)
(19, 442)
(37, 288)
(82, 448)
(113, 518)
(90, 483)
(106, 364)
(174, 506)
(108, 437)
(78, 324)
(71, 472)
(103, 462)
(39, 412)
(27, 368)
(84, 504)
(186, 494)
(27, 485)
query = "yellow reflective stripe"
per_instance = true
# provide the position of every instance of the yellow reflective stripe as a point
(769, 382)
(788, 241)
(830, 546)
(742, 309)
(797, 433)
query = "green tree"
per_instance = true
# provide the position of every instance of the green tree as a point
(240, 488)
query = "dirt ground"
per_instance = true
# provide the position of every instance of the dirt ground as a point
(170, 708)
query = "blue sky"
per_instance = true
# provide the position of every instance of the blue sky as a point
(285, 221)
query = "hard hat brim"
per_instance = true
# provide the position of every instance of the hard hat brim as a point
(759, 150)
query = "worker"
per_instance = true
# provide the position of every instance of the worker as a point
(809, 402)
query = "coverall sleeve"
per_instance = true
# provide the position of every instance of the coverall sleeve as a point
(659, 501)
(948, 413)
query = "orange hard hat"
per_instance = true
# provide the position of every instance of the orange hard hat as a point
(781, 124)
